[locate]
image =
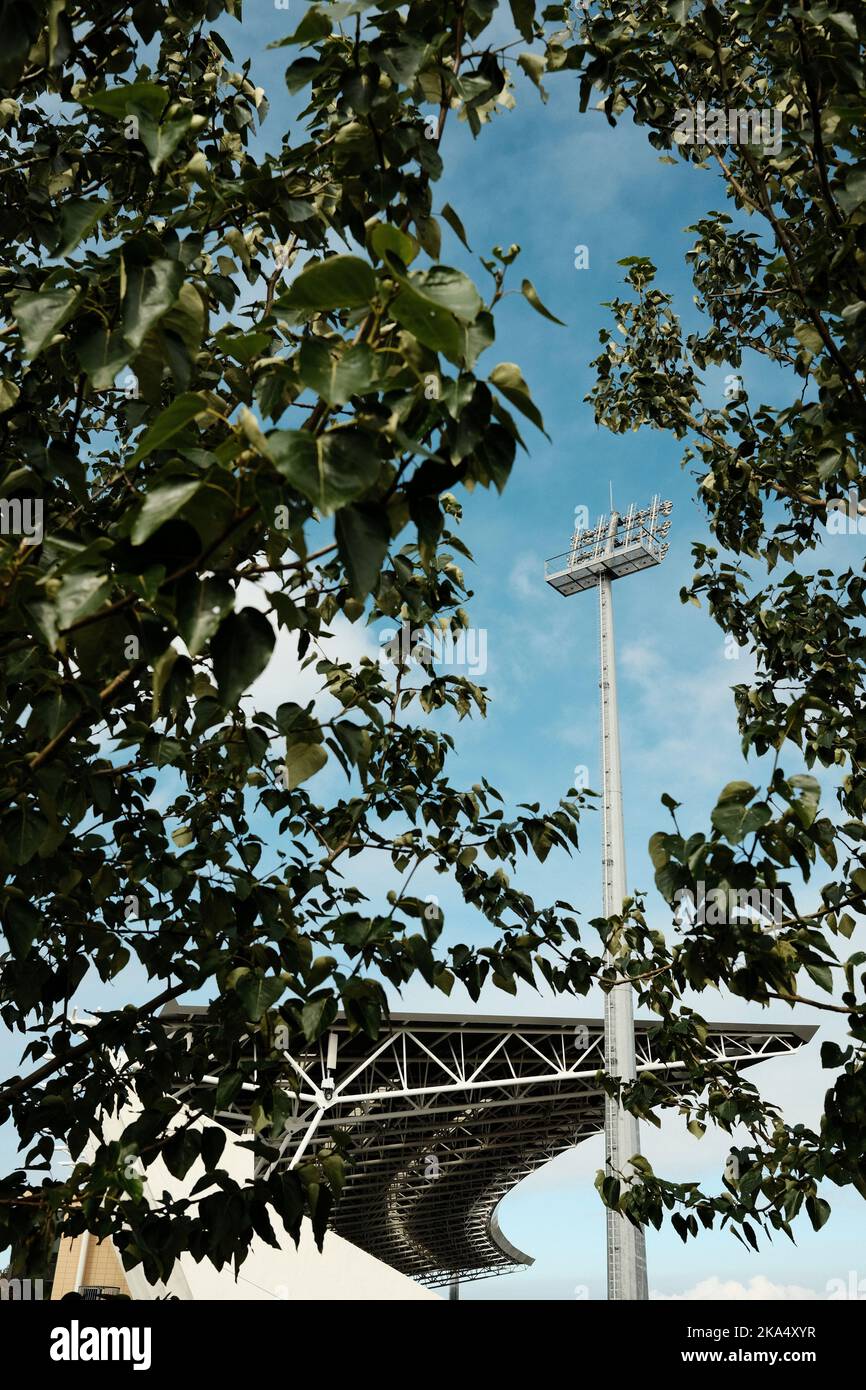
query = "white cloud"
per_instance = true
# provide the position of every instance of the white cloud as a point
(641, 661)
(759, 1289)
(526, 573)
(676, 699)
(286, 678)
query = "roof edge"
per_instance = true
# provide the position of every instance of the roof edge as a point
(804, 1031)
(494, 1231)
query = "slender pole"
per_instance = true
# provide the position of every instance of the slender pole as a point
(81, 1267)
(454, 1290)
(626, 1247)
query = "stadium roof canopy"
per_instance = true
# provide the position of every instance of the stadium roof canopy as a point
(447, 1113)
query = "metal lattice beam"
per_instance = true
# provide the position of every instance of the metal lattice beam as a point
(446, 1114)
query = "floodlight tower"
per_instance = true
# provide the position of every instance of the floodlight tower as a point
(616, 546)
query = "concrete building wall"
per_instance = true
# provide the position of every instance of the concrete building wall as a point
(342, 1272)
(101, 1266)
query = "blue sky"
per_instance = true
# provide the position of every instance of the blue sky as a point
(551, 178)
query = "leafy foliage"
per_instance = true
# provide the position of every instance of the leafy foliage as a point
(207, 399)
(220, 366)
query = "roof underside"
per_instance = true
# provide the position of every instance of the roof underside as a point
(446, 1114)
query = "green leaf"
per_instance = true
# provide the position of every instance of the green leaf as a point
(171, 421)
(161, 138)
(355, 742)
(477, 337)
(258, 993)
(151, 291)
(739, 792)
(162, 669)
(818, 1211)
(529, 292)
(808, 335)
(303, 760)
(9, 394)
(80, 594)
(340, 282)
(523, 14)
(241, 651)
(333, 374)
(735, 821)
(432, 325)
(658, 849)
(331, 470)
(822, 975)
(363, 536)
(455, 224)
(296, 724)
(165, 751)
(384, 237)
(451, 290)
(201, 606)
(316, 1016)
(828, 460)
(161, 504)
(832, 1054)
(301, 72)
(22, 921)
(188, 318)
(78, 217)
(438, 306)
(314, 25)
(28, 830)
(853, 193)
(213, 1141)
(118, 102)
(507, 379)
(228, 1087)
(181, 1152)
(846, 22)
(41, 314)
(102, 355)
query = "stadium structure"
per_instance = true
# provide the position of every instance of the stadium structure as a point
(445, 1115)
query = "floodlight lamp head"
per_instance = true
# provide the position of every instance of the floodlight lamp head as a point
(618, 544)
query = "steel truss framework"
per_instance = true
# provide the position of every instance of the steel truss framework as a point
(446, 1114)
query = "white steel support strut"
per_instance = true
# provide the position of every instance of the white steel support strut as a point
(626, 1247)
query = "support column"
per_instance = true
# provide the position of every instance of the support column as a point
(81, 1268)
(626, 1247)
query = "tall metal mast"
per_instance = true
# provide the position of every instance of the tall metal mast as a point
(616, 546)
